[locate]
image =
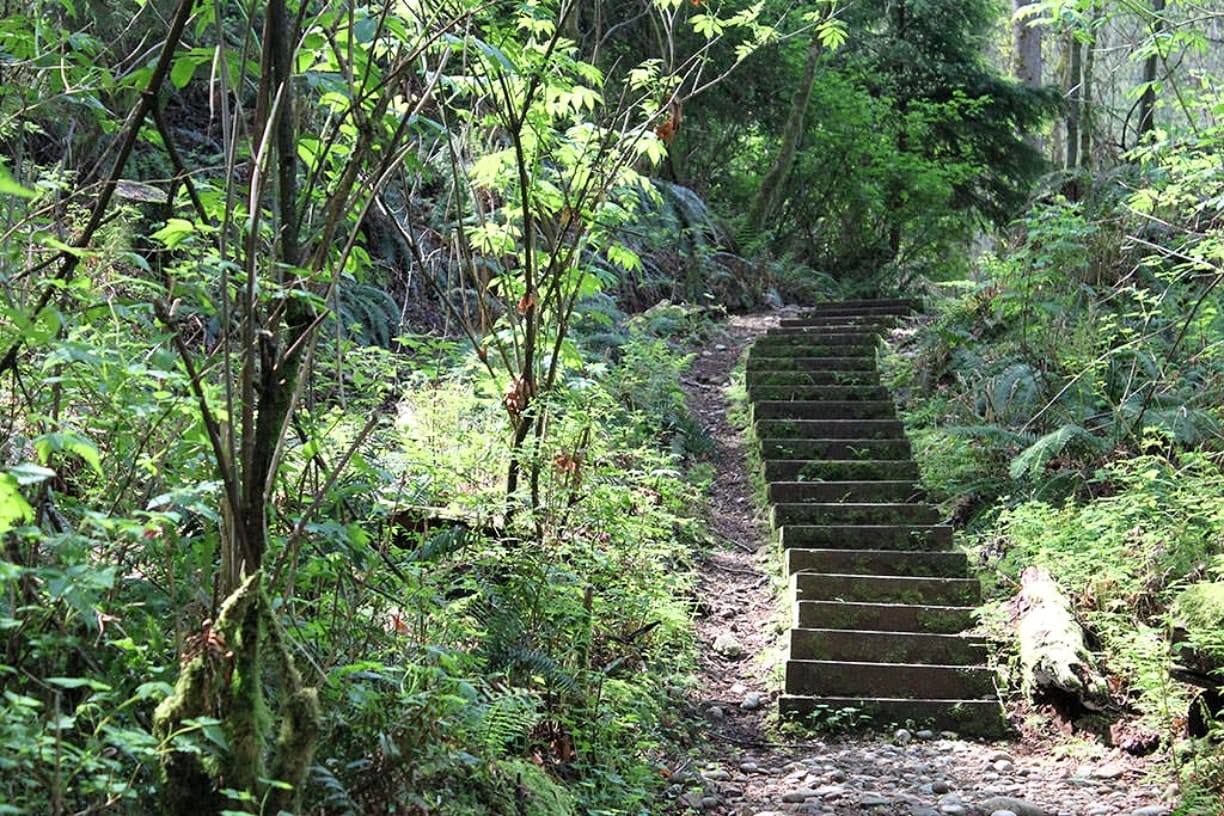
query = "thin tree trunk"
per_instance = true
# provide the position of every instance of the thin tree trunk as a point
(1147, 102)
(772, 189)
(1074, 89)
(1087, 112)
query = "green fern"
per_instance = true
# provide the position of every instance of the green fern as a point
(1033, 459)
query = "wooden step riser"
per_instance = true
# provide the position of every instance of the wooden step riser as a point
(849, 366)
(834, 679)
(840, 470)
(902, 537)
(878, 562)
(875, 323)
(812, 366)
(805, 359)
(818, 337)
(820, 393)
(829, 429)
(936, 620)
(886, 589)
(822, 409)
(835, 449)
(797, 492)
(812, 513)
(979, 719)
(901, 305)
(810, 380)
(857, 646)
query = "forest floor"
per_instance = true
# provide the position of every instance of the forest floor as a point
(742, 763)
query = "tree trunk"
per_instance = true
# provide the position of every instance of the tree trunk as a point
(1055, 663)
(1086, 110)
(1075, 50)
(1147, 102)
(1026, 54)
(772, 190)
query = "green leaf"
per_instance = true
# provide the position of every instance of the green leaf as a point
(10, 186)
(78, 682)
(14, 509)
(176, 231)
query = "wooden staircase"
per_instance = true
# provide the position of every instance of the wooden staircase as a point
(881, 602)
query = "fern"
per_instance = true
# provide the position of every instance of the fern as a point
(1032, 460)
(367, 314)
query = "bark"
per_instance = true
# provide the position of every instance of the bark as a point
(1026, 55)
(771, 192)
(1147, 102)
(1074, 88)
(1055, 662)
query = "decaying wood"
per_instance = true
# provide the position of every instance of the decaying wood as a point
(1055, 662)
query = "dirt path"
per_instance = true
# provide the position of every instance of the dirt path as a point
(743, 767)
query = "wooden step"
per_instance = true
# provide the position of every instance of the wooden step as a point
(886, 589)
(920, 537)
(864, 306)
(833, 470)
(937, 620)
(834, 678)
(823, 409)
(806, 358)
(829, 429)
(810, 379)
(804, 362)
(821, 393)
(835, 448)
(865, 646)
(817, 337)
(876, 491)
(980, 719)
(810, 513)
(850, 366)
(874, 323)
(943, 564)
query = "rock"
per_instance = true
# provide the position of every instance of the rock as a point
(1020, 807)
(953, 810)
(1099, 810)
(926, 735)
(752, 701)
(940, 786)
(769, 813)
(837, 775)
(709, 802)
(748, 766)
(872, 800)
(1109, 771)
(902, 737)
(801, 795)
(727, 646)
(1001, 756)
(1004, 766)
(1003, 813)
(716, 713)
(1150, 810)
(717, 775)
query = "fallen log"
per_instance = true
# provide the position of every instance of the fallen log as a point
(1056, 665)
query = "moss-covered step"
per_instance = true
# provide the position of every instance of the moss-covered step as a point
(803, 359)
(943, 564)
(840, 470)
(899, 490)
(898, 589)
(915, 680)
(810, 379)
(820, 393)
(821, 336)
(783, 515)
(908, 537)
(874, 323)
(855, 365)
(979, 719)
(897, 305)
(859, 646)
(796, 428)
(835, 449)
(822, 409)
(938, 620)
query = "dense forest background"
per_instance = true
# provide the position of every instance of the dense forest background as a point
(344, 466)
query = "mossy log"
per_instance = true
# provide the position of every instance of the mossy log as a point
(1055, 662)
